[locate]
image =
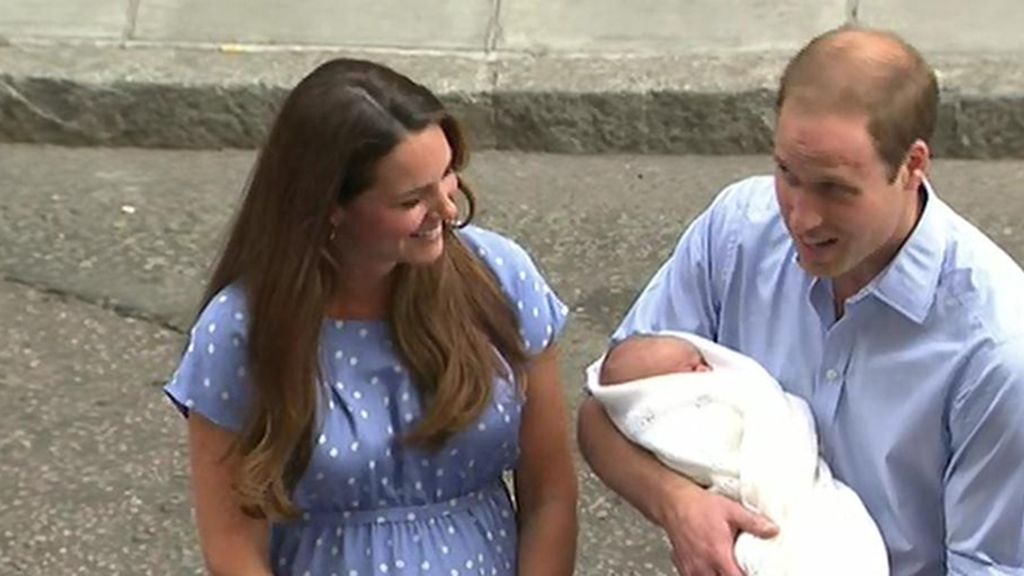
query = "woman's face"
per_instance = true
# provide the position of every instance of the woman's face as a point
(399, 218)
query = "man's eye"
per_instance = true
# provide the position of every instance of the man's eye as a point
(834, 188)
(410, 203)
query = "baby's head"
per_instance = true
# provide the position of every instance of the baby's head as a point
(645, 356)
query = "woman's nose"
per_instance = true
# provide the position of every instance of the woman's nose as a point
(445, 205)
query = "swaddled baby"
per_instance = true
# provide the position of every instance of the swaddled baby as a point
(719, 418)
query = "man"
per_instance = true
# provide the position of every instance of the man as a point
(862, 292)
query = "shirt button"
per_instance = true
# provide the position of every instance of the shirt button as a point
(831, 374)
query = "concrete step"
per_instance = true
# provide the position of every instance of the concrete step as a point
(223, 96)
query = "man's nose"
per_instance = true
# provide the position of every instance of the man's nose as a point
(804, 214)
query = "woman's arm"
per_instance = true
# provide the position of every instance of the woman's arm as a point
(232, 542)
(545, 481)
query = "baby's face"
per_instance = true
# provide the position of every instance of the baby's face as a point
(690, 359)
(647, 356)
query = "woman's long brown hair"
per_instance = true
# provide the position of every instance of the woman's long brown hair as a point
(451, 325)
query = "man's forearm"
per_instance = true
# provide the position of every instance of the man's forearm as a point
(630, 471)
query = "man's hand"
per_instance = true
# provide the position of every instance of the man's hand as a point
(703, 527)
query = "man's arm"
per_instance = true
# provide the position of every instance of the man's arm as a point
(702, 527)
(984, 497)
(684, 295)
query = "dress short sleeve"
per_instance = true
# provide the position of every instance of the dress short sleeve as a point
(211, 378)
(542, 315)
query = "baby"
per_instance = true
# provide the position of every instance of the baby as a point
(645, 356)
(719, 418)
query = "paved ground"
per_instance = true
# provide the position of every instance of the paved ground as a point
(102, 253)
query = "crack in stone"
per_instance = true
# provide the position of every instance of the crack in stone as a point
(34, 109)
(120, 310)
(494, 28)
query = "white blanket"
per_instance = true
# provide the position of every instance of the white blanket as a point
(734, 430)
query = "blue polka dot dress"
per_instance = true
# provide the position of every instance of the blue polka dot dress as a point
(371, 505)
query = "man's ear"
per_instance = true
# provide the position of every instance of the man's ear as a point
(919, 160)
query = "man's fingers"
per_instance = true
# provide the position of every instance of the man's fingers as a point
(754, 523)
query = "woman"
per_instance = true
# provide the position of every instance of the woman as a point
(366, 367)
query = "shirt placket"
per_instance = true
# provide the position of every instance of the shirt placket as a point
(831, 376)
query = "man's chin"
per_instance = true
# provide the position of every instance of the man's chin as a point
(826, 269)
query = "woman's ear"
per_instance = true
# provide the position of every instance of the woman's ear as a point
(337, 215)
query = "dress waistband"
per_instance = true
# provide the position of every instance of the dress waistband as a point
(397, 514)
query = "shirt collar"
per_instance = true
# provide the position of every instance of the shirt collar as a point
(908, 283)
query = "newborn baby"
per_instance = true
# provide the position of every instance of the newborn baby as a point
(720, 419)
(646, 356)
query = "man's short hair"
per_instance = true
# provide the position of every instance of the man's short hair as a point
(853, 70)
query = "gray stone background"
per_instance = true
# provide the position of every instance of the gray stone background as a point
(104, 245)
(576, 76)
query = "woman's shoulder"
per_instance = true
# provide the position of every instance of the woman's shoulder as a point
(492, 247)
(541, 314)
(227, 308)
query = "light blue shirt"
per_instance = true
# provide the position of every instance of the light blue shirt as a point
(917, 391)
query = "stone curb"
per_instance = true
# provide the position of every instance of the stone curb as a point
(224, 97)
